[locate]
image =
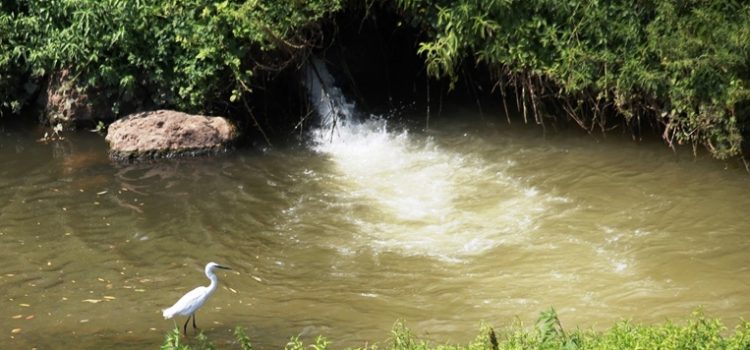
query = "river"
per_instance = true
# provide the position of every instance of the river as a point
(445, 229)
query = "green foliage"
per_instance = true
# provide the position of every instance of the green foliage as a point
(172, 341)
(294, 344)
(698, 332)
(242, 338)
(100, 128)
(186, 54)
(18, 34)
(685, 63)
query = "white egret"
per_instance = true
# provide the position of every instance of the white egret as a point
(193, 300)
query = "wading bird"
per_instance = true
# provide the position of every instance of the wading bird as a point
(193, 300)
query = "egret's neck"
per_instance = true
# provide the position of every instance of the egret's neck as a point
(214, 280)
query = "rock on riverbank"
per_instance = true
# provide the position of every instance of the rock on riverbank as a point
(166, 134)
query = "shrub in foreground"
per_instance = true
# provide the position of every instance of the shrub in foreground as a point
(697, 332)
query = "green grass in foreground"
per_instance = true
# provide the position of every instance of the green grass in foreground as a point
(698, 332)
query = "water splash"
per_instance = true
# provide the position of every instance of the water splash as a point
(332, 106)
(421, 198)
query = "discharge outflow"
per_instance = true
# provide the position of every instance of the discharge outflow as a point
(422, 199)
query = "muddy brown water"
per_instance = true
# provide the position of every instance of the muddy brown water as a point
(443, 230)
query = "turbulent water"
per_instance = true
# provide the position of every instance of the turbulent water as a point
(363, 225)
(409, 184)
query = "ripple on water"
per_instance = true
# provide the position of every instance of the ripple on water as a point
(442, 232)
(420, 199)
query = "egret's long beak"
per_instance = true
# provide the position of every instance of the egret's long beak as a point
(223, 267)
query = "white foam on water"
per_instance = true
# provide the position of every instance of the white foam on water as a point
(422, 199)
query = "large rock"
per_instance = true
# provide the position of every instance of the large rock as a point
(66, 103)
(165, 134)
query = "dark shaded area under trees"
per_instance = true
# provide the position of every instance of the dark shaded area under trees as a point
(680, 68)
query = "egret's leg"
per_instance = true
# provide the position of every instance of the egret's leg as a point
(194, 326)
(184, 328)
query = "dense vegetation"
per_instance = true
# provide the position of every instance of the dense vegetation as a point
(683, 64)
(696, 333)
(194, 55)
(681, 67)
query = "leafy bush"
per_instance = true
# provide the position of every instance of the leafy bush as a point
(18, 33)
(681, 65)
(192, 55)
(684, 64)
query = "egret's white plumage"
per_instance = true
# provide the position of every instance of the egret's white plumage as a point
(194, 299)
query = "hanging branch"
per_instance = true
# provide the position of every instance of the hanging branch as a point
(523, 99)
(334, 110)
(472, 90)
(499, 83)
(572, 114)
(440, 100)
(302, 120)
(255, 121)
(427, 81)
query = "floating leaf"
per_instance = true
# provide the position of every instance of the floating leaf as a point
(93, 301)
(15, 317)
(16, 331)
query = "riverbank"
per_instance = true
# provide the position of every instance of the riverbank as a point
(678, 69)
(695, 332)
